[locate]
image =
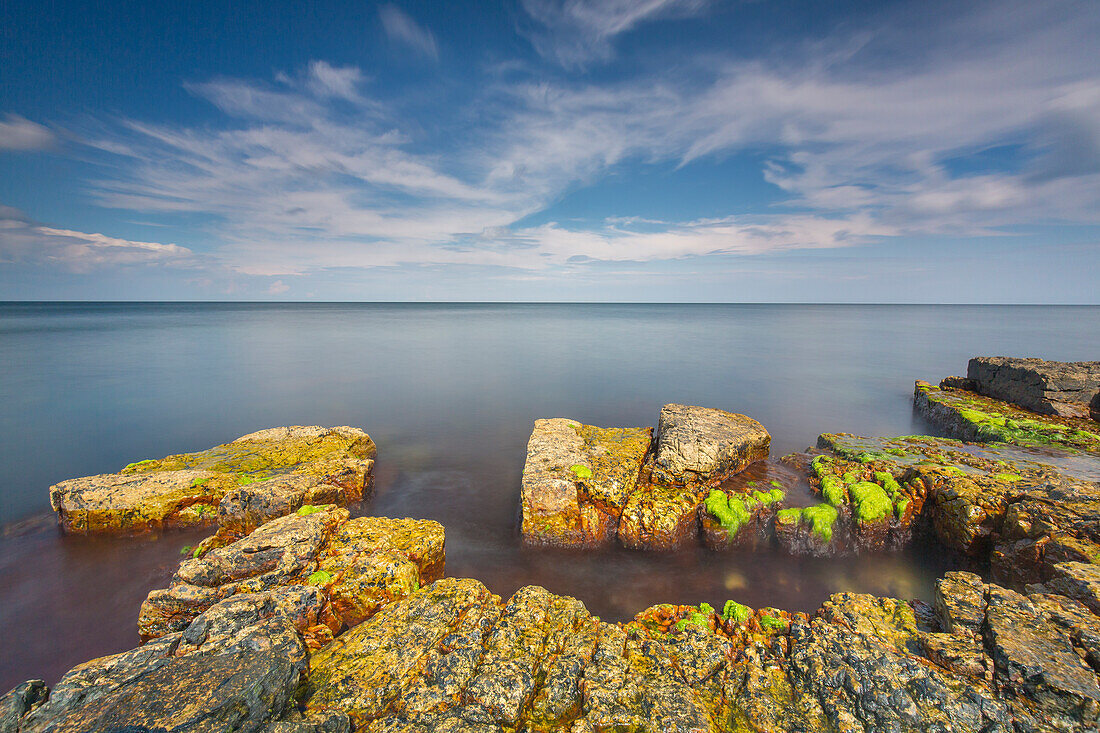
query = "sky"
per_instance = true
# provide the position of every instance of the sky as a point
(551, 150)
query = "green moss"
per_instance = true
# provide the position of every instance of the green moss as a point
(197, 553)
(772, 623)
(202, 509)
(201, 482)
(736, 612)
(870, 501)
(834, 491)
(1007, 477)
(788, 516)
(147, 463)
(776, 484)
(821, 519)
(306, 509)
(581, 471)
(320, 577)
(186, 550)
(900, 507)
(244, 479)
(730, 511)
(697, 617)
(767, 498)
(888, 483)
(819, 466)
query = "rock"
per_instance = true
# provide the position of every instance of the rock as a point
(258, 476)
(282, 552)
(969, 416)
(19, 701)
(959, 383)
(1094, 407)
(960, 603)
(1046, 387)
(660, 517)
(235, 667)
(1077, 580)
(372, 561)
(577, 479)
(1035, 660)
(359, 565)
(703, 445)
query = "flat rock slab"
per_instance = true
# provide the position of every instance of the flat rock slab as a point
(973, 417)
(1047, 387)
(358, 565)
(577, 479)
(241, 484)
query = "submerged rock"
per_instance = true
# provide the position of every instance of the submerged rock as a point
(241, 484)
(1045, 387)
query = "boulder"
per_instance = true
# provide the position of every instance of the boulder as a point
(235, 667)
(358, 565)
(577, 479)
(703, 445)
(258, 476)
(1046, 387)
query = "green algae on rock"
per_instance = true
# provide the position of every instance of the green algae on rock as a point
(969, 416)
(241, 484)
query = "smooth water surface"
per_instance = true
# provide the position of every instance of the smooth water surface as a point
(449, 393)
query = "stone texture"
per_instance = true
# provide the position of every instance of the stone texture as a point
(359, 565)
(258, 476)
(577, 479)
(702, 445)
(235, 667)
(19, 701)
(1046, 387)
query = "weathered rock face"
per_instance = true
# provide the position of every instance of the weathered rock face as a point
(1046, 387)
(241, 484)
(583, 485)
(969, 416)
(702, 445)
(577, 479)
(454, 657)
(358, 565)
(695, 449)
(235, 667)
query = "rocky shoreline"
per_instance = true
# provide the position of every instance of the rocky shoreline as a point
(293, 617)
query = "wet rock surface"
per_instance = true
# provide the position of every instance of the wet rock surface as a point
(257, 477)
(1046, 387)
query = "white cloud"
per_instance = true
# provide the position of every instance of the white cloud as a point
(575, 32)
(19, 133)
(334, 81)
(277, 288)
(403, 29)
(862, 150)
(23, 241)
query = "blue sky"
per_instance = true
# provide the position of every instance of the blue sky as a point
(624, 150)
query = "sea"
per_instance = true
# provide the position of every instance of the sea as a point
(449, 392)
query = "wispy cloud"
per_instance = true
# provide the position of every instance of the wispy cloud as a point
(19, 133)
(403, 29)
(312, 172)
(23, 241)
(575, 32)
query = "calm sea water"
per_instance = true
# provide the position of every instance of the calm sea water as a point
(449, 393)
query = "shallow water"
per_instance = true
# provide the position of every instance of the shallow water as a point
(449, 393)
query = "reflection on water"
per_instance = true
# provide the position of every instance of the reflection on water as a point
(449, 393)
